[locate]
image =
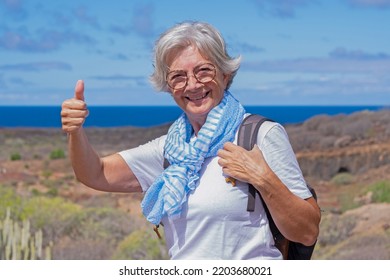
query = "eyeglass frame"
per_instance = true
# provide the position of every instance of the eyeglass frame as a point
(193, 74)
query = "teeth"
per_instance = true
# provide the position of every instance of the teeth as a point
(199, 98)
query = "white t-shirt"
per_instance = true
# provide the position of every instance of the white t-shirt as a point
(214, 223)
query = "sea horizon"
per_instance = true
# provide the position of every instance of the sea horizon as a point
(48, 116)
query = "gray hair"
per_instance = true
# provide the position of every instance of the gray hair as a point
(204, 37)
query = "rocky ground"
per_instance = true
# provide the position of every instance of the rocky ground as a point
(342, 157)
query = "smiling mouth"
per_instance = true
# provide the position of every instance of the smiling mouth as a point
(197, 97)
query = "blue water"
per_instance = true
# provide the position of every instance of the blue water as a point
(147, 116)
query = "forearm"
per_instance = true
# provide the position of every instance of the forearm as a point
(296, 218)
(85, 161)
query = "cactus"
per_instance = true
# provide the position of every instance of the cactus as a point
(17, 242)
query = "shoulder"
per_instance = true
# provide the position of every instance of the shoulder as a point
(270, 131)
(146, 161)
(154, 147)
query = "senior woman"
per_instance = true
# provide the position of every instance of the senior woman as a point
(204, 217)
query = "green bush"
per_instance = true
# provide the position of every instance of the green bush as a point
(15, 156)
(47, 173)
(52, 192)
(57, 154)
(380, 191)
(54, 216)
(9, 199)
(343, 178)
(358, 195)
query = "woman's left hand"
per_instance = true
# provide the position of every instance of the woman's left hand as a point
(243, 165)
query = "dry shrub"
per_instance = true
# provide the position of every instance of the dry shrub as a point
(323, 131)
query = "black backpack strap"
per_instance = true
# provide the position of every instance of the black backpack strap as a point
(247, 137)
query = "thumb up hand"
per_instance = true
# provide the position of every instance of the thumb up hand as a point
(74, 111)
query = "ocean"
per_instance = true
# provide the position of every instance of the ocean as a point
(148, 116)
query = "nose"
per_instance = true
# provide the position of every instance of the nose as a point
(192, 82)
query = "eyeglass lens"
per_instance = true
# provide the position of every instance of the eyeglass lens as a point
(178, 79)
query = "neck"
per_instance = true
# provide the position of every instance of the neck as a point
(197, 123)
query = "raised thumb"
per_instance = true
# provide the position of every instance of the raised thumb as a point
(79, 90)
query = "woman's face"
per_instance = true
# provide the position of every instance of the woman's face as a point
(196, 98)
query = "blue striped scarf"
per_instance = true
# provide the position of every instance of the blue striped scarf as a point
(169, 191)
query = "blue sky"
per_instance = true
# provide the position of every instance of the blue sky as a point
(297, 52)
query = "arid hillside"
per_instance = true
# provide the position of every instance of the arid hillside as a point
(346, 158)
